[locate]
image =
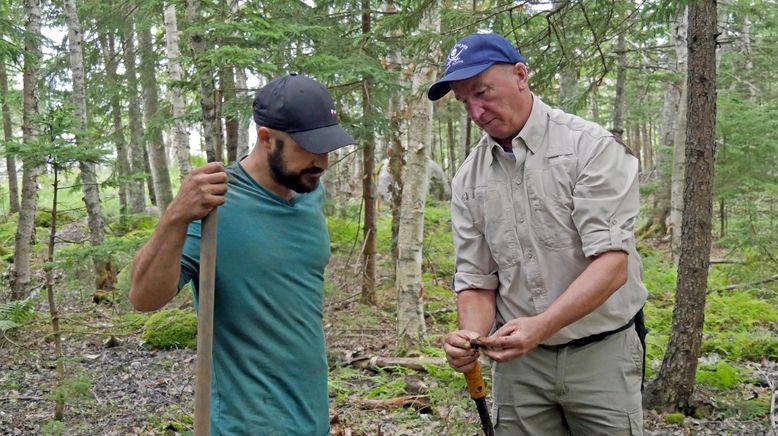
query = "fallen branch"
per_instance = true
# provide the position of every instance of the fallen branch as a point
(22, 398)
(417, 402)
(745, 285)
(377, 362)
(727, 261)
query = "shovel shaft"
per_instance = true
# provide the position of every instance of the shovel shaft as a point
(477, 389)
(205, 325)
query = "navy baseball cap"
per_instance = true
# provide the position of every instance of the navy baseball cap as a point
(302, 108)
(471, 56)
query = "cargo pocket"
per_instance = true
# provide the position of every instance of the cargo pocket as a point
(636, 423)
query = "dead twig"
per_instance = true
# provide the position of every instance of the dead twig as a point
(746, 285)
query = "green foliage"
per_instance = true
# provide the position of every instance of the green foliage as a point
(754, 346)
(72, 390)
(14, 314)
(54, 428)
(721, 375)
(674, 418)
(659, 274)
(387, 386)
(171, 328)
(748, 410)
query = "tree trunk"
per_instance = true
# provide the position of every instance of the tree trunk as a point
(647, 149)
(396, 154)
(679, 141)
(368, 183)
(674, 384)
(452, 166)
(411, 329)
(122, 157)
(59, 406)
(10, 159)
(20, 279)
(155, 145)
(619, 104)
(105, 272)
(243, 122)
(180, 132)
(136, 197)
(231, 121)
(197, 46)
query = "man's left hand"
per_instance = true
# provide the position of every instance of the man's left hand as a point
(516, 338)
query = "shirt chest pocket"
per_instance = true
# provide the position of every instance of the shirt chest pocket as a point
(550, 192)
(493, 215)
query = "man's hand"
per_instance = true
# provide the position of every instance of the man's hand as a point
(516, 338)
(459, 353)
(201, 191)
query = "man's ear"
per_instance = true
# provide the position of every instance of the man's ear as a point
(522, 75)
(264, 137)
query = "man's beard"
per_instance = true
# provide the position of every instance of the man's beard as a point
(297, 182)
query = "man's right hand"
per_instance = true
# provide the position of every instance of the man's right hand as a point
(459, 353)
(201, 191)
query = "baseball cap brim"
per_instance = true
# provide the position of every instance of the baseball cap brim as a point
(443, 86)
(323, 140)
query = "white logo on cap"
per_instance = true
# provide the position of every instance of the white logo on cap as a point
(333, 113)
(454, 56)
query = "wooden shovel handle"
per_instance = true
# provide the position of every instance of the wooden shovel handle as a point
(205, 325)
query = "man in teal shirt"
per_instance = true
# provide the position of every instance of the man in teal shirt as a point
(269, 360)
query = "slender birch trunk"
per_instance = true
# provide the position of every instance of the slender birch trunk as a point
(180, 133)
(243, 122)
(197, 46)
(10, 159)
(619, 104)
(105, 272)
(136, 196)
(155, 145)
(122, 157)
(679, 139)
(410, 299)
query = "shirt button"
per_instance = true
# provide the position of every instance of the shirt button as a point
(614, 221)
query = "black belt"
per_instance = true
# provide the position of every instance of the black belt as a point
(640, 327)
(580, 342)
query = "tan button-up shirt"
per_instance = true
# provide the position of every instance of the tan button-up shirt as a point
(528, 225)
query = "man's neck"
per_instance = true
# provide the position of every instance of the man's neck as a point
(259, 170)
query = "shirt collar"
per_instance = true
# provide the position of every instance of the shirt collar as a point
(531, 134)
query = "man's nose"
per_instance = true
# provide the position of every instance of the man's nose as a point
(322, 161)
(475, 110)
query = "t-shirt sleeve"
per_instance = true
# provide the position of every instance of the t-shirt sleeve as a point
(606, 198)
(190, 257)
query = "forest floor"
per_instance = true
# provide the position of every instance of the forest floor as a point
(119, 386)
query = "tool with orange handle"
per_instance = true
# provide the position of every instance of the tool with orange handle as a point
(477, 389)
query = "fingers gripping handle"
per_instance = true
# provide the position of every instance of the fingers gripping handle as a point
(475, 382)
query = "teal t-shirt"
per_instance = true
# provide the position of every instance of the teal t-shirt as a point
(269, 359)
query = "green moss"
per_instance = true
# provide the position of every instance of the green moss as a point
(675, 418)
(721, 376)
(173, 328)
(133, 320)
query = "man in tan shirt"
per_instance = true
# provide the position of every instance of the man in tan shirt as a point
(548, 279)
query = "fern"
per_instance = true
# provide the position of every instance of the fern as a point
(16, 313)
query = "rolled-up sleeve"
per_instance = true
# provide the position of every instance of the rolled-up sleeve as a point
(475, 267)
(606, 197)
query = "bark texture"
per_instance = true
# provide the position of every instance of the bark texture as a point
(10, 159)
(21, 276)
(410, 300)
(180, 134)
(674, 384)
